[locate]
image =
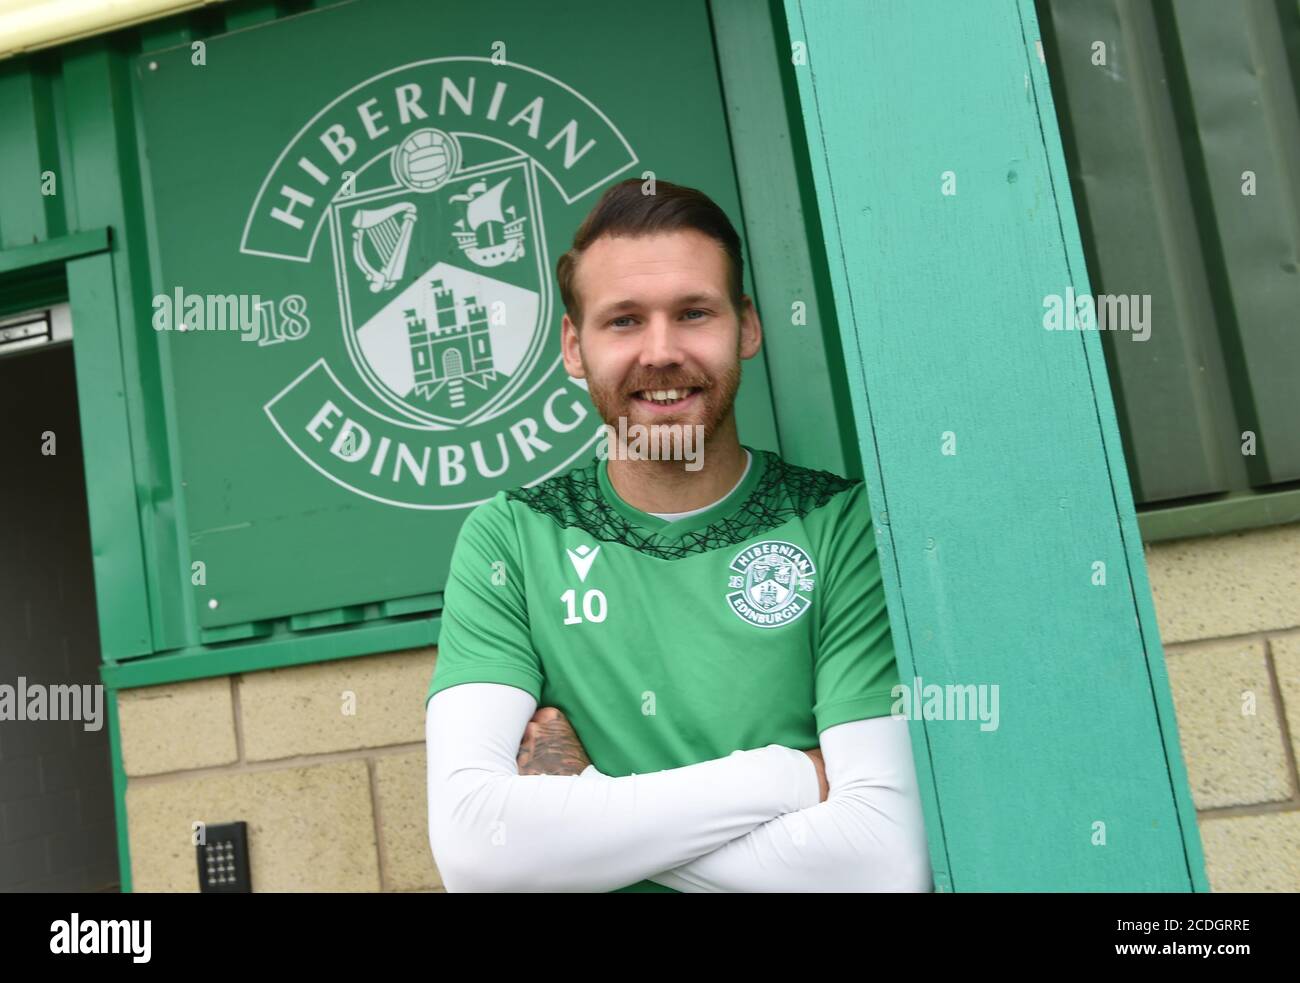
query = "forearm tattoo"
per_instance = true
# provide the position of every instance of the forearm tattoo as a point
(555, 750)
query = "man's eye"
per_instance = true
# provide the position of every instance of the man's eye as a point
(625, 317)
(696, 310)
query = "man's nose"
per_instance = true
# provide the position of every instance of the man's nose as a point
(661, 344)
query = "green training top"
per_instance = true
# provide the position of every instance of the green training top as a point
(758, 621)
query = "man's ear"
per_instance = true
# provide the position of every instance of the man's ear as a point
(571, 349)
(751, 329)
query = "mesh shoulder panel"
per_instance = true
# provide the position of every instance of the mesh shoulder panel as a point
(785, 491)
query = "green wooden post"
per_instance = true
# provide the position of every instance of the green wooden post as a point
(1007, 534)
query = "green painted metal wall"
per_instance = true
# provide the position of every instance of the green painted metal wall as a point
(61, 113)
(1169, 112)
(76, 112)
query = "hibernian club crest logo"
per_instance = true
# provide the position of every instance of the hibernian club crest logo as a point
(436, 376)
(770, 583)
(450, 334)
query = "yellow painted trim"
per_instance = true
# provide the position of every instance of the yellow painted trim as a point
(27, 25)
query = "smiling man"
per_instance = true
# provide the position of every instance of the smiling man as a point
(708, 646)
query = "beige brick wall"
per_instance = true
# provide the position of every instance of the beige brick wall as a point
(325, 762)
(1229, 615)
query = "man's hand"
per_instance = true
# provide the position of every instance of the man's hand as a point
(820, 763)
(550, 746)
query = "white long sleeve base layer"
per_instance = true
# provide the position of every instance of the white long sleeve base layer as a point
(492, 829)
(869, 834)
(716, 825)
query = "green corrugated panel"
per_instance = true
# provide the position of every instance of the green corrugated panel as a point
(1139, 238)
(26, 150)
(1157, 139)
(1242, 123)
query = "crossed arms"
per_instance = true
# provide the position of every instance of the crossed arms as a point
(751, 821)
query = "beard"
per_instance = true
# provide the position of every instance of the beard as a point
(717, 397)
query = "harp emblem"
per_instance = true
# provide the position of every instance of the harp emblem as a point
(386, 234)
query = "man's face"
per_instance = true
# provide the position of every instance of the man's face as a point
(658, 321)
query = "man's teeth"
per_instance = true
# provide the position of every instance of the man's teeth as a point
(664, 395)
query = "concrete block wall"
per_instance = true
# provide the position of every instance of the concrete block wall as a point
(1229, 614)
(324, 762)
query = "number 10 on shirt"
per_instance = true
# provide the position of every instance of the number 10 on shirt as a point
(593, 606)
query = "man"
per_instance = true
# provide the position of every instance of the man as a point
(709, 644)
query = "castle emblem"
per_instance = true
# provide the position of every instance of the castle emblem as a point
(456, 350)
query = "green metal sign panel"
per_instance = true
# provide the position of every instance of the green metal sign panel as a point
(353, 266)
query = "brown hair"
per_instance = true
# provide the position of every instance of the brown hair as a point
(624, 210)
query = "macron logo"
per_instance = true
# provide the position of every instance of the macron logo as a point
(582, 559)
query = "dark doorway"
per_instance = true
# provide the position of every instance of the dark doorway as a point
(57, 825)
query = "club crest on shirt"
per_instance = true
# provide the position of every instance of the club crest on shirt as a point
(771, 583)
